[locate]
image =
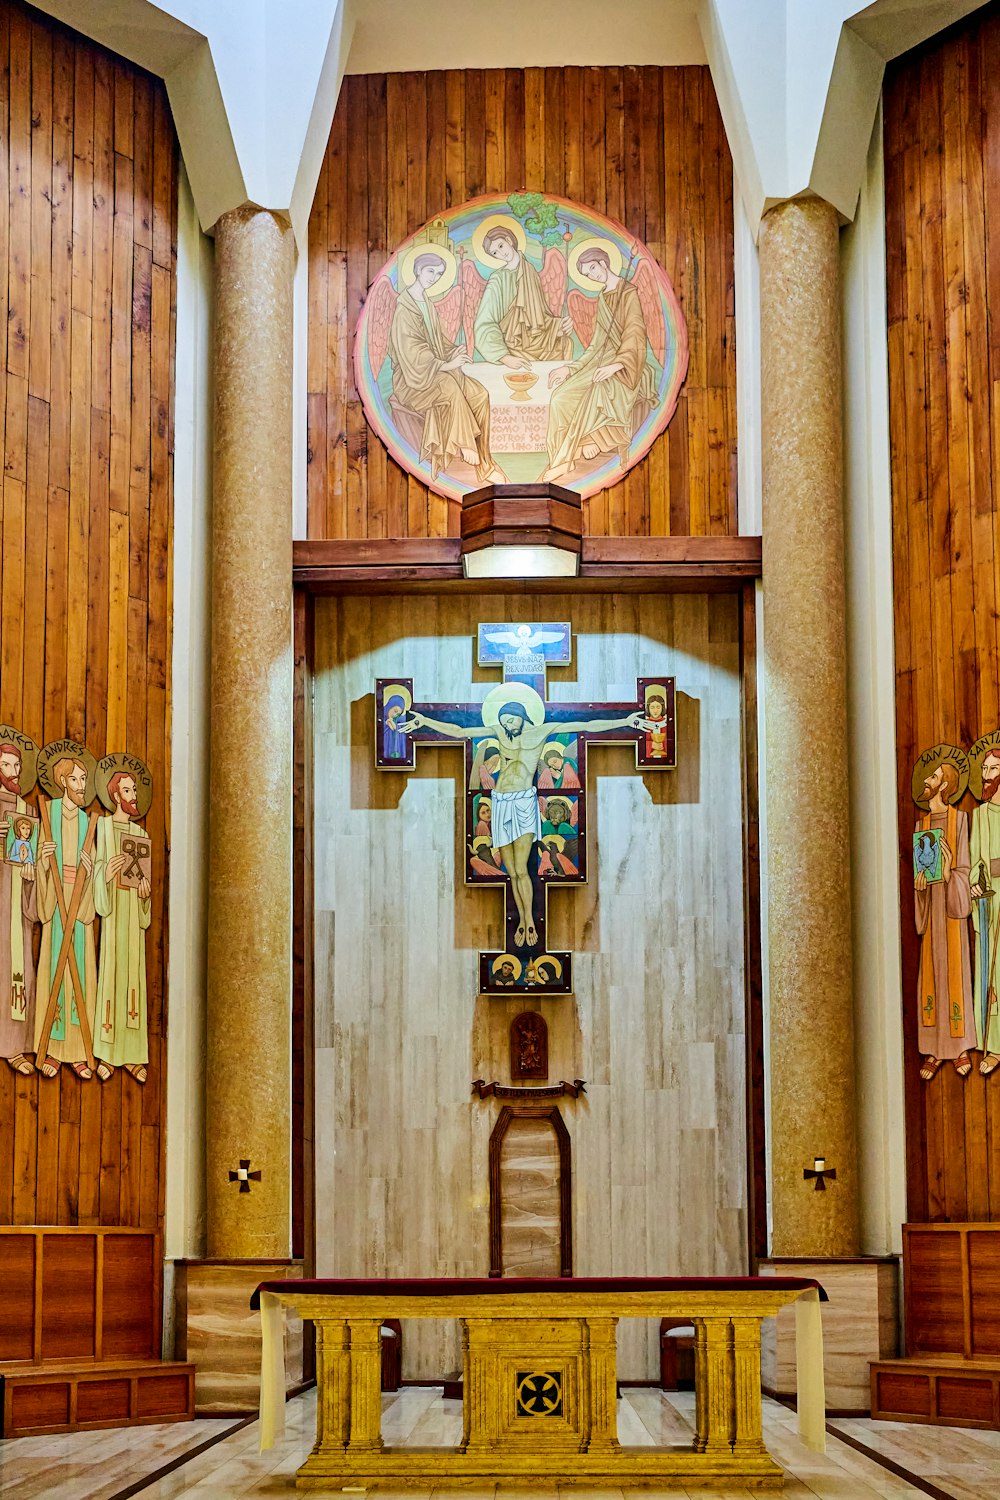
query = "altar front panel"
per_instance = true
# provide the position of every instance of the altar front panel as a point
(656, 1024)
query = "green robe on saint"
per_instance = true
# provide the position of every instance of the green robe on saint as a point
(581, 412)
(120, 1035)
(984, 847)
(514, 318)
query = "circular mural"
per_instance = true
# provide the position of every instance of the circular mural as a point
(520, 339)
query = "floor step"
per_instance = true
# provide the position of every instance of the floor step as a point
(72, 1395)
(941, 1389)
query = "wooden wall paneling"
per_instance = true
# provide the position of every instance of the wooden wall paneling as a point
(942, 140)
(645, 145)
(88, 168)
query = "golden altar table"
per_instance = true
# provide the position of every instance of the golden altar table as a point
(540, 1384)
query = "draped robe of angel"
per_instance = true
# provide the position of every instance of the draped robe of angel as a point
(456, 408)
(18, 915)
(582, 413)
(515, 318)
(120, 1036)
(69, 831)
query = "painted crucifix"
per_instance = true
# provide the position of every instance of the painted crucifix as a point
(526, 797)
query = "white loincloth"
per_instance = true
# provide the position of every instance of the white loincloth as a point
(515, 814)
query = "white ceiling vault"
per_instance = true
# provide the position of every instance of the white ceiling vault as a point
(253, 84)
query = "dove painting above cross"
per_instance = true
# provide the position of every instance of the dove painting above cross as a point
(519, 339)
(525, 782)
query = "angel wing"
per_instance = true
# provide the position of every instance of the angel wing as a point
(474, 286)
(449, 310)
(553, 279)
(583, 311)
(381, 306)
(652, 313)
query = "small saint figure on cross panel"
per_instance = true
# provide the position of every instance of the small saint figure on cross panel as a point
(516, 713)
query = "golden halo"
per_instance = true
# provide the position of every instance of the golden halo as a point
(977, 755)
(506, 958)
(549, 958)
(929, 761)
(512, 692)
(591, 242)
(408, 275)
(29, 755)
(139, 772)
(554, 838)
(493, 221)
(397, 690)
(57, 750)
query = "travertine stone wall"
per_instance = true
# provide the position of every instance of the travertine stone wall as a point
(808, 855)
(656, 1026)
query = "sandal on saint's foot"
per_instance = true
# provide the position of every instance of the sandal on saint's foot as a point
(24, 1065)
(929, 1067)
(49, 1067)
(989, 1062)
(963, 1064)
(104, 1071)
(137, 1070)
(81, 1070)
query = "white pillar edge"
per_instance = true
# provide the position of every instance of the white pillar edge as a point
(300, 395)
(749, 511)
(184, 1220)
(878, 999)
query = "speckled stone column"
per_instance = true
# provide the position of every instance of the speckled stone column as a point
(808, 849)
(250, 791)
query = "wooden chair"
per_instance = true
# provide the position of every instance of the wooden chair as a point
(392, 1354)
(676, 1354)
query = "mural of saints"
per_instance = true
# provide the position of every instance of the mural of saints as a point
(66, 996)
(984, 855)
(18, 908)
(122, 891)
(942, 901)
(520, 338)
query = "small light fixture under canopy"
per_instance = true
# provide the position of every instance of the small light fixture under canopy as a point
(521, 531)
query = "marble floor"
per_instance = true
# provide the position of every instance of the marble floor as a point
(112, 1465)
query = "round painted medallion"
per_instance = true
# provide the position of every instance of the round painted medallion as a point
(517, 340)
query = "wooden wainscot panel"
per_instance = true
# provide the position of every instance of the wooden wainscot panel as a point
(103, 1402)
(933, 1277)
(984, 1290)
(131, 1313)
(17, 1296)
(964, 1400)
(903, 1395)
(69, 1297)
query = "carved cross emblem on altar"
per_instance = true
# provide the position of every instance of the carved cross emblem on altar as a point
(526, 782)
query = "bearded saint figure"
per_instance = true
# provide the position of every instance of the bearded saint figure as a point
(121, 1038)
(947, 1029)
(64, 863)
(984, 854)
(18, 914)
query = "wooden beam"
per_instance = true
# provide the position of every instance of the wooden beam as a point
(417, 564)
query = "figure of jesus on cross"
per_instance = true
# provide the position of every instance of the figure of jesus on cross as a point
(526, 803)
(521, 730)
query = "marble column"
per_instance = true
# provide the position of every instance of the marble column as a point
(805, 706)
(249, 797)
